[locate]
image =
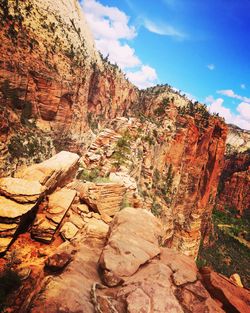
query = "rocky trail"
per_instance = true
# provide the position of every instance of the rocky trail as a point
(73, 255)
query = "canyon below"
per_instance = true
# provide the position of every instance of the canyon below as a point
(112, 199)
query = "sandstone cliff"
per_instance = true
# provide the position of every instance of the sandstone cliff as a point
(234, 187)
(57, 92)
(53, 82)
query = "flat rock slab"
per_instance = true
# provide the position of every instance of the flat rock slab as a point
(21, 190)
(46, 224)
(53, 172)
(133, 240)
(10, 209)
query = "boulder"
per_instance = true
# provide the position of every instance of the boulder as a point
(68, 230)
(96, 229)
(58, 261)
(133, 240)
(54, 172)
(101, 197)
(47, 221)
(168, 283)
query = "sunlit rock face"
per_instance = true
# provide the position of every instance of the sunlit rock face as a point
(58, 93)
(234, 187)
(53, 83)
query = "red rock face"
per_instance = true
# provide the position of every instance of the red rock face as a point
(234, 190)
(53, 83)
(234, 298)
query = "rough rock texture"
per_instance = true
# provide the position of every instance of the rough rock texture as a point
(234, 298)
(48, 219)
(18, 202)
(130, 244)
(21, 190)
(234, 191)
(104, 198)
(54, 172)
(52, 78)
(56, 90)
(168, 282)
(74, 284)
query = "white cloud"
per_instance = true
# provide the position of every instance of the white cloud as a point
(162, 29)
(244, 110)
(216, 106)
(111, 30)
(122, 54)
(211, 67)
(242, 119)
(230, 93)
(144, 77)
(242, 86)
(107, 22)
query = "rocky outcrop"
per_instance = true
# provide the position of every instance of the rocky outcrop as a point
(234, 188)
(174, 163)
(166, 281)
(49, 218)
(238, 140)
(19, 198)
(104, 198)
(55, 172)
(18, 201)
(235, 299)
(129, 245)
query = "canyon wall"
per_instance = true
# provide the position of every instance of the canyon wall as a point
(57, 92)
(234, 187)
(53, 82)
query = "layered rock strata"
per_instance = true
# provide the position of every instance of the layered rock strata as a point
(104, 198)
(19, 198)
(48, 220)
(18, 201)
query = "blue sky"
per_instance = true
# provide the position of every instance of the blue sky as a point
(199, 47)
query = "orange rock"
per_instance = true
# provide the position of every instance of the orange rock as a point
(233, 298)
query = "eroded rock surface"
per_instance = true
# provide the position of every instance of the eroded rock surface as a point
(234, 298)
(130, 244)
(54, 172)
(47, 221)
(104, 198)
